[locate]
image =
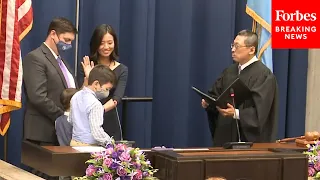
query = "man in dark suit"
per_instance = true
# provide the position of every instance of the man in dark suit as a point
(45, 76)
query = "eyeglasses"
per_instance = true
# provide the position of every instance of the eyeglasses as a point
(236, 46)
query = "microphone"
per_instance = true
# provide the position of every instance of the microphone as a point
(234, 105)
(239, 144)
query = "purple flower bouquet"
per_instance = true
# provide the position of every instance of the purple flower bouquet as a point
(313, 155)
(119, 162)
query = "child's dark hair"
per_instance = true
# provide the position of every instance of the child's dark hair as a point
(103, 74)
(66, 96)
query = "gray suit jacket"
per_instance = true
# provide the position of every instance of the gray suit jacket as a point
(63, 130)
(43, 82)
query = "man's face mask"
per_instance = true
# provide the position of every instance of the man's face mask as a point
(62, 46)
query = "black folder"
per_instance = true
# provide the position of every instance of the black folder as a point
(241, 93)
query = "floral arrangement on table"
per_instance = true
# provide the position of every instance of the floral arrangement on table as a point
(313, 155)
(119, 162)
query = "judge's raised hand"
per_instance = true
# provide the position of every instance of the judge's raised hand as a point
(227, 112)
(87, 65)
(204, 104)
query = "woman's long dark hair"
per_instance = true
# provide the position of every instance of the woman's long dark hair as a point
(96, 39)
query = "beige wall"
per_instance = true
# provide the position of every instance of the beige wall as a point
(313, 91)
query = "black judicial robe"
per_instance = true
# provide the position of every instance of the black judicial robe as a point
(258, 115)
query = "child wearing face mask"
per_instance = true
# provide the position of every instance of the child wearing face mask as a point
(86, 112)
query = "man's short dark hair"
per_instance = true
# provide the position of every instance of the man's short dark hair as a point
(62, 25)
(66, 96)
(103, 74)
(251, 39)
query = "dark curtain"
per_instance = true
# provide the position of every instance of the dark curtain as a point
(169, 46)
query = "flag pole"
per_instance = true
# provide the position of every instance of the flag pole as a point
(77, 39)
(5, 138)
(5, 143)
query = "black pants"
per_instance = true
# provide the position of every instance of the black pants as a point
(111, 124)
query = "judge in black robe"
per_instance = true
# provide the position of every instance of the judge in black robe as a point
(258, 115)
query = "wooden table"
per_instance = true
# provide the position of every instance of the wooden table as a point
(66, 161)
(10, 172)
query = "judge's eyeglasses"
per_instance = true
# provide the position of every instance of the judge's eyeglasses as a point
(237, 46)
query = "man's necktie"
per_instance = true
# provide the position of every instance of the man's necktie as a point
(239, 69)
(64, 70)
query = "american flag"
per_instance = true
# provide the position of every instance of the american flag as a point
(16, 21)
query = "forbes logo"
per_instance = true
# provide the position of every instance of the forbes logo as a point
(296, 16)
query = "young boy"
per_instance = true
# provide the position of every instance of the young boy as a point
(86, 114)
(63, 127)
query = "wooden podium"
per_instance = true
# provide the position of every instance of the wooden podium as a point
(271, 164)
(263, 161)
(54, 160)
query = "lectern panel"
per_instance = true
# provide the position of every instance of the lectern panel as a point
(252, 164)
(212, 153)
(251, 169)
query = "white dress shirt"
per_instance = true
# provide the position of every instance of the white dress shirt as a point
(70, 77)
(241, 67)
